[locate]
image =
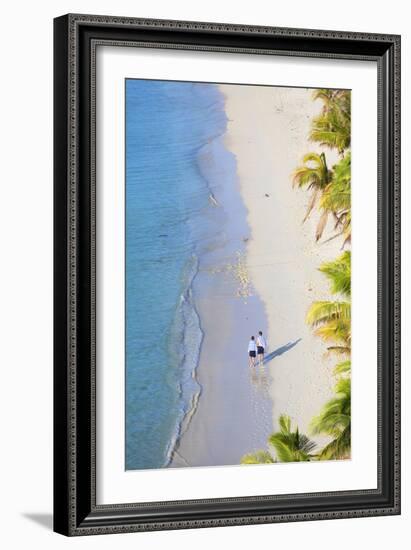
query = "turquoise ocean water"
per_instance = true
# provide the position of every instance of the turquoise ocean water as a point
(168, 225)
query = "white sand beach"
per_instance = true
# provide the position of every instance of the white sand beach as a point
(269, 139)
(267, 132)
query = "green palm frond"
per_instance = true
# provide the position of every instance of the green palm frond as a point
(332, 99)
(291, 446)
(323, 312)
(343, 368)
(342, 171)
(336, 197)
(332, 128)
(313, 172)
(327, 135)
(336, 413)
(337, 331)
(285, 424)
(338, 448)
(315, 176)
(326, 95)
(331, 320)
(258, 457)
(332, 323)
(338, 273)
(331, 420)
(335, 421)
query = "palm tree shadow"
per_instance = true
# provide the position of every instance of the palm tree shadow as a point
(279, 351)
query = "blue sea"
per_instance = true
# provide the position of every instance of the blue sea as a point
(168, 198)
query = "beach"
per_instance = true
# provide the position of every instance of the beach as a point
(262, 275)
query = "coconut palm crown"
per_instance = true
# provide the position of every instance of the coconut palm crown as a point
(332, 319)
(332, 127)
(335, 420)
(291, 446)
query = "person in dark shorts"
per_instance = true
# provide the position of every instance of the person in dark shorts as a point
(261, 346)
(252, 352)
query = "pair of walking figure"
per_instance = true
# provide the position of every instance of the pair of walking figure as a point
(256, 348)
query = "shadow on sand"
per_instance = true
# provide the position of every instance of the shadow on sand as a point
(279, 351)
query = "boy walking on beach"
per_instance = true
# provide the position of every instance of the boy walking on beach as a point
(252, 349)
(261, 345)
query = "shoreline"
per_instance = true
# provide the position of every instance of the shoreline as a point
(183, 421)
(165, 228)
(263, 237)
(230, 414)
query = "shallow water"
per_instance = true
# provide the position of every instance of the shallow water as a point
(171, 222)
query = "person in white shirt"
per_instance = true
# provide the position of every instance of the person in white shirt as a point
(252, 352)
(261, 347)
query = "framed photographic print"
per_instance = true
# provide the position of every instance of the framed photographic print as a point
(227, 280)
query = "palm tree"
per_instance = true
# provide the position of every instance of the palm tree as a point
(331, 191)
(335, 420)
(343, 368)
(332, 127)
(334, 98)
(259, 457)
(291, 446)
(339, 274)
(332, 319)
(332, 323)
(336, 198)
(326, 95)
(315, 175)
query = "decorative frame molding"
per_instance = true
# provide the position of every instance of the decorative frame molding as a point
(75, 43)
